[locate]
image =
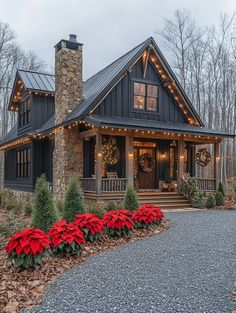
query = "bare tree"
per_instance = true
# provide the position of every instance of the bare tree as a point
(204, 61)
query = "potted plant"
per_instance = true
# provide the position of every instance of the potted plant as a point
(167, 185)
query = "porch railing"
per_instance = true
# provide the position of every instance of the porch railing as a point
(206, 184)
(107, 185)
(114, 185)
(88, 184)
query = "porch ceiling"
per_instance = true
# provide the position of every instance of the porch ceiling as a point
(188, 129)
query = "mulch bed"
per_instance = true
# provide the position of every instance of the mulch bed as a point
(24, 289)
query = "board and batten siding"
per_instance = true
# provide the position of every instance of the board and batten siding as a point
(119, 102)
(43, 107)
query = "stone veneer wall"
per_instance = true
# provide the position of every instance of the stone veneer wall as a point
(2, 157)
(68, 152)
(67, 159)
(68, 79)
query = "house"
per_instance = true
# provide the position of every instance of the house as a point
(131, 123)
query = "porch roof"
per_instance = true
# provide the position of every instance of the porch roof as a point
(132, 123)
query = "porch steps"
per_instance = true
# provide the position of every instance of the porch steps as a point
(164, 200)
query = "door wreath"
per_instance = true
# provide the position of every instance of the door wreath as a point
(203, 157)
(146, 162)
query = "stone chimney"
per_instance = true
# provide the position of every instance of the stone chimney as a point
(68, 151)
(68, 76)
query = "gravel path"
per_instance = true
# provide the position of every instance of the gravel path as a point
(187, 269)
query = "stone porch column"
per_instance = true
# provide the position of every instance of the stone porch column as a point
(217, 163)
(129, 153)
(98, 163)
(180, 162)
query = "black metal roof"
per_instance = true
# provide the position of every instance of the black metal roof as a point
(36, 81)
(131, 123)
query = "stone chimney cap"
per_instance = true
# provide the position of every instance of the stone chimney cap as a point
(73, 37)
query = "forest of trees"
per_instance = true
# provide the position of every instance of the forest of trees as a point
(203, 58)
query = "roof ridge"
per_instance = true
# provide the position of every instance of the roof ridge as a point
(36, 72)
(148, 39)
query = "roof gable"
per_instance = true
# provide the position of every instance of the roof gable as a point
(98, 86)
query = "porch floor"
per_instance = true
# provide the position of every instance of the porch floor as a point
(164, 200)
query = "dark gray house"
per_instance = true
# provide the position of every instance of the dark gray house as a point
(131, 123)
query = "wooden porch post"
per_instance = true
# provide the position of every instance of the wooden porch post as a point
(98, 163)
(129, 153)
(180, 163)
(217, 163)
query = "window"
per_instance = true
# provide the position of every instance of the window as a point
(23, 163)
(145, 97)
(24, 113)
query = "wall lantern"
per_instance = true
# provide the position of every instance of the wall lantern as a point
(99, 154)
(181, 156)
(217, 158)
(163, 156)
(131, 155)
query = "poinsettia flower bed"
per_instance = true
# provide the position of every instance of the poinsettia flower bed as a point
(28, 247)
(91, 226)
(118, 223)
(66, 238)
(157, 211)
(25, 289)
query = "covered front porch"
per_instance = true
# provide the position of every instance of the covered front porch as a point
(150, 161)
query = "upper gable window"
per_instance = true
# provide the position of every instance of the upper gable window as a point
(24, 113)
(145, 97)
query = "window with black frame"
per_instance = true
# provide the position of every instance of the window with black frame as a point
(145, 97)
(24, 113)
(23, 163)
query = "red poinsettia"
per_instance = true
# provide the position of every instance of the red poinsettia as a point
(143, 217)
(157, 211)
(90, 224)
(27, 248)
(118, 223)
(66, 238)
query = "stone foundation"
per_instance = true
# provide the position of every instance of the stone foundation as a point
(19, 195)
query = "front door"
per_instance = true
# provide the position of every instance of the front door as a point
(146, 168)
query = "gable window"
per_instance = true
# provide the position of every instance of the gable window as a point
(23, 163)
(24, 113)
(145, 97)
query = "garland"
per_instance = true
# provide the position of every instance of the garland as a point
(203, 157)
(146, 162)
(110, 152)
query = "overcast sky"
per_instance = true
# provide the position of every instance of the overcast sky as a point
(107, 28)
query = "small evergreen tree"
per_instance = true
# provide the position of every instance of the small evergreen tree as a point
(210, 202)
(44, 213)
(221, 189)
(220, 199)
(74, 202)
(131, 199)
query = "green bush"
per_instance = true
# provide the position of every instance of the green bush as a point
(131, 199)
(219, 198)
(74, 202)
(11, 204)
(12, 225)
(111, 206)
(59, 203)
(96, 209)
(198, 200)
(44, 213)
(210, 201)
(221, 189)
(28, 208)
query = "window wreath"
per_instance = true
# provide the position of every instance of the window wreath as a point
(203, 157)
(110, 152)
(146, 162)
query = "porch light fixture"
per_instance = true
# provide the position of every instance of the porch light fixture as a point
(131, 155)
(99, 154)
(181, 156)
(217, 158)
(163, 156)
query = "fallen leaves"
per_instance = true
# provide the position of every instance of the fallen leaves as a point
(24, 289)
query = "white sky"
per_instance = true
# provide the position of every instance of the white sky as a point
(107, 28)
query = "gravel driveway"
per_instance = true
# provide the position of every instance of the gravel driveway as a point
(187, 269)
